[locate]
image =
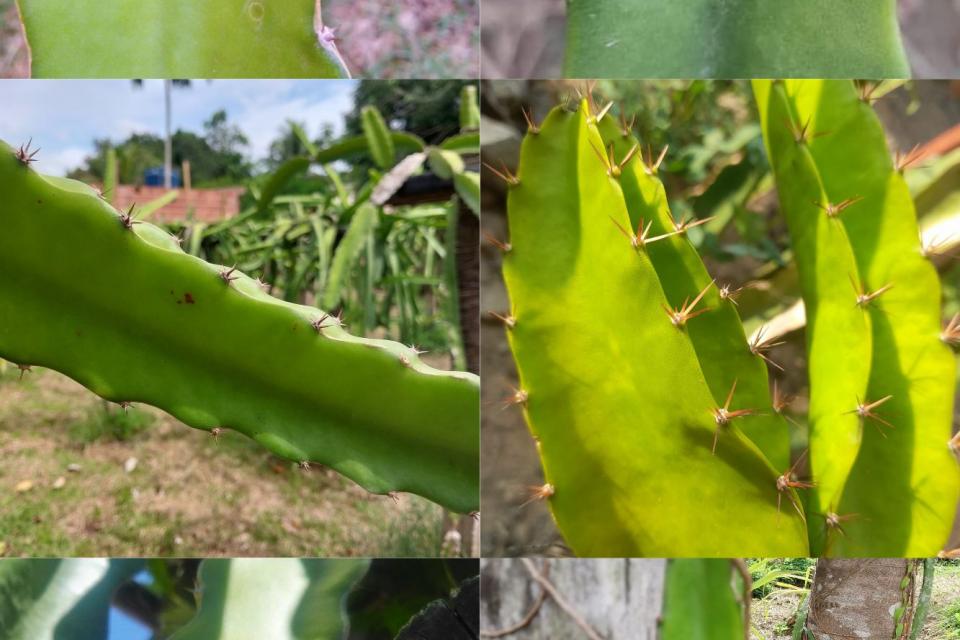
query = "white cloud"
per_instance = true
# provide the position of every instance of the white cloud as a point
(62, 161)
(65, 116)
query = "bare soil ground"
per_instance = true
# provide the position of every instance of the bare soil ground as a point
(82, 479)
(773, 616)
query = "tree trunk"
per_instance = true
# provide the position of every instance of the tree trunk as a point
(620, 599)
(863, 598)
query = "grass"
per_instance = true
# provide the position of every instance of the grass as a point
(68, 488)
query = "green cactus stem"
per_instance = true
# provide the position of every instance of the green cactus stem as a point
(117, 305)
(639, 456)
(879, 359)
(179, 39)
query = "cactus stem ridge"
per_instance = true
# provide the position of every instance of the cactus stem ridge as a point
(504, 174)
(680, 316)
(127, 218)
(25, 155)
(229, 275)
(951, 332)
(904, 161)
(834, 210)
(865, 297)
(505, 247)
(508, 320)
(518, 397)
(536, 494)
(866, 410)
(532, 126)
(760, 344)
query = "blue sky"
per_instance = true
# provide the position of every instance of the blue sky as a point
(64, 116)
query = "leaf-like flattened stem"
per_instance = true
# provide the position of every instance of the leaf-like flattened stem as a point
(131, 316)
(613, 391)
(176, 39)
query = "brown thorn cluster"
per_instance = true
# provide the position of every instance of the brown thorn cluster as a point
(951, 332)
(903, 161)
(865, 297)
(25, 155)
(679, 317)
(532, 127)
(536, 494)
(833, 210)
(504, 174)
(508, 320)
(760, 344)
(866, 411)
(723, 415)
(229, 275)
(505, 247)
(127, 218)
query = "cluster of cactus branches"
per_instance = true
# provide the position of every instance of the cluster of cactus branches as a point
(656, 427)
(117, 304)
